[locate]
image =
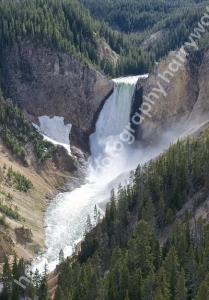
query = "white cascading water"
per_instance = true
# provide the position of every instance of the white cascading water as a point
(66, 215)
(115, 114)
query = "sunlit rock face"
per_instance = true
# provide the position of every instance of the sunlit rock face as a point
(183, 102)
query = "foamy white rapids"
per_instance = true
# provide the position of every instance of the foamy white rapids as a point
(65, 222)
(55, 131)
(66, 215)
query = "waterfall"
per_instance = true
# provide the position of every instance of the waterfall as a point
(115, 114)
(66, 216)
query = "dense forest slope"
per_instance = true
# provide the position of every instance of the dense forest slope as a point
(65, 26)
(153, 240)
(157, 26)
(50, 52)
(124, 257)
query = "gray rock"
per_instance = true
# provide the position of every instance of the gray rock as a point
(46, 82)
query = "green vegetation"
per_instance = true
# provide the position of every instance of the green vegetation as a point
(66, 26)
(16, 131)
(175, 19)
(121, 258)
(3, 221)
(21, 183)
(9, 211)
(124, 256)
(140, 15)
(12, 291)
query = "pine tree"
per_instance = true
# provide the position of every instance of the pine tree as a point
(126, 297)
(135, 285)
(95, 214)
(149, 211)
(203, 292)
(161, 212)
(144, 239)
(59, 294)
(147, 287)
(36, 279)
(171, 266)
(181, 291)
(162, 291)
(43, 290)
(7, 277)
(61, 256)
(15, 287)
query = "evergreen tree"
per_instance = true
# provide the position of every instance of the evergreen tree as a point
(181, 291)
(59, 294)
(7, 278)
(162, 291)
(61, 256)
(43, 290)
(171, 267)
(126, 297)
(161, 212)
(147, 288)
(15, 275)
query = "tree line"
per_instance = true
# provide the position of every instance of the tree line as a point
(140, 19)
(16, 131)
(123, 258)
(67, 27)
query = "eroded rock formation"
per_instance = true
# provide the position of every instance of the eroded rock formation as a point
(185, 99)
(45, 82)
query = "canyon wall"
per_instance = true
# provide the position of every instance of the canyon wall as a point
(46, 82)
(183, 101)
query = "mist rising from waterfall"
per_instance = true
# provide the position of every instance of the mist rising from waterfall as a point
(66, 216)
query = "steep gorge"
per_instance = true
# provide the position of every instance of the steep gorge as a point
(43, 82)
(186, 101)
(46, 82)
(56, 84)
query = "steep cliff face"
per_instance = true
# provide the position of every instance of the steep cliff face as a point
(201, 108)
(183, 98)
(45, 82)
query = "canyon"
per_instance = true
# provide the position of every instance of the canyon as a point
(44, 82)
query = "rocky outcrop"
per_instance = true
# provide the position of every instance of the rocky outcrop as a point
(201, 108)
(161, 35)
(185, 99)
(45, 82)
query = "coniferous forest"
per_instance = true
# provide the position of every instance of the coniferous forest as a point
(65, 26)
(142, 248)
(124, 256)
(139, 19)
(151, 244)
(80, 29)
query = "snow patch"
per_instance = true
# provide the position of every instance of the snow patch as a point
(55, 131)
